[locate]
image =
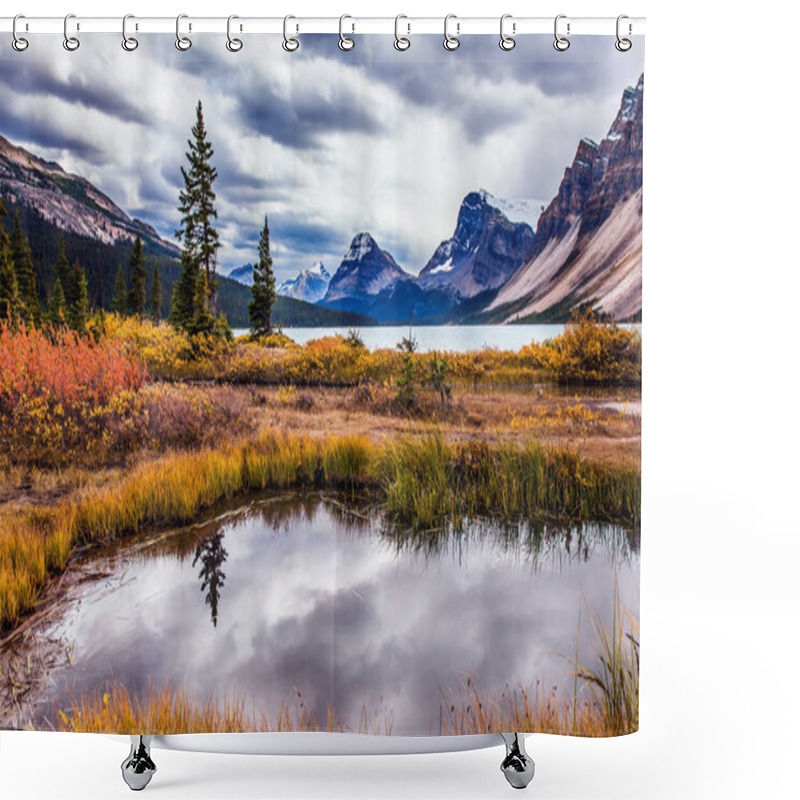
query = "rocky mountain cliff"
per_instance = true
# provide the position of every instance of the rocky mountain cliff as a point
(70, 202)
(364, 273)
(588, 244)
(310, 284)
(485, 249)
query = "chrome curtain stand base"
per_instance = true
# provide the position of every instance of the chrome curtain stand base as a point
(138, 768)
(517, 766)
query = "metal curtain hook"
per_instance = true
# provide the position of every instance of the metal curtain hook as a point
(129, 43)
(623, 45)
(561, 43)
(71, 43)
(450, 42)
(506, 42)
(233, 44)
(345, 43)
(401, 42)
(181, 42)
(19, 43)
(289, 44)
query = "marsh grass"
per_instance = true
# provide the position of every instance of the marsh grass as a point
(425, 482)
(604, 699)
(170, 709)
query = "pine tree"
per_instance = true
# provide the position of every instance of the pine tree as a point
(10, 307)
(197, 233)
(26, 274)
(65, 275)
(120, 302)
(156, 294)
(137, 298)
(184, 290)
(260, 307)
(78, 309)
(203, 320)
(57, 309)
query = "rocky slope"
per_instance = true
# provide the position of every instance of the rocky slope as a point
(70, 202)
(310, 284)
(588, 244)
(485, 249)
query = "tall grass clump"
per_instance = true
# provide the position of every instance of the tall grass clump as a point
(429, 480)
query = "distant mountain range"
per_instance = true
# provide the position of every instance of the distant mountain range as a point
(504, 262)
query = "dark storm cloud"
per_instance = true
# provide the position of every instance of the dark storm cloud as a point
(44, 134)
(35, 77)
(309, 238)
(299, 121)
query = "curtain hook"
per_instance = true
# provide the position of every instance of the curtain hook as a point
(71, 43)
(345, 43)
(289, 44)
(623, 45)
(561, 43)
(401, 42)
(450, 42)
(19, 43)
(129, 43)
(181, 42)
(507, 42)
(233, 44)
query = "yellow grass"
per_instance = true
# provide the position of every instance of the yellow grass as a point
(425, 481)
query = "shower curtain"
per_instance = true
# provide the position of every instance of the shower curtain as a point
(320, 384)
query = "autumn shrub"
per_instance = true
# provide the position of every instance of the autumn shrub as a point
(60, 393)
(590, 352)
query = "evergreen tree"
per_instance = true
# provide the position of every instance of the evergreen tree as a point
(184, 290)
(65, 275)
(200, 240)
(57, 309)
(78, 309)
(260, 307)
(156, 294)
(137, 298)
(9, 292)
(26, 274)
(203, 320)
(120, 302)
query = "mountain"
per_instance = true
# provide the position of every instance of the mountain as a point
(309, 285)
(485, 249)
(243, 275)
(70, 202)
(588, 243)
(364, 273)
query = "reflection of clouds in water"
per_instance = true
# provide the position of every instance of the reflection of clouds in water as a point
(336, 612)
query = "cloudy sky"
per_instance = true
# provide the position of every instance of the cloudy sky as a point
(326, 143)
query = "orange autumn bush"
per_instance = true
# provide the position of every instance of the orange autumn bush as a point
(59, 392)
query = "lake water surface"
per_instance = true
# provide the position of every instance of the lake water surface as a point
(319, 594)
(436, 337)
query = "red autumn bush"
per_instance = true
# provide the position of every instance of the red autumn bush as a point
(59, 391)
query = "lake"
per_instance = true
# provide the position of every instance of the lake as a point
(319, 593)
(436, 337)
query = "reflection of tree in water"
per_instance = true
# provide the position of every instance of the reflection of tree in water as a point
(211, 555)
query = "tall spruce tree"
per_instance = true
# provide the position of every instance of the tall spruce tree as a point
(9, 291)
(26, 274)
(57, 308)
(119, 303)
(78, 309)
(137, 298)
(263, 291)
(65, 275)
(200, 240)
(203, 320)
(156, 294)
